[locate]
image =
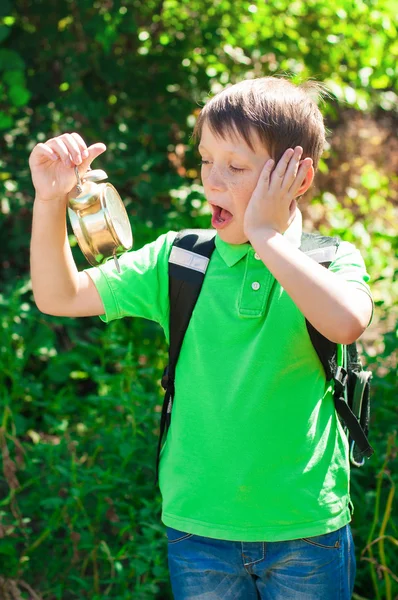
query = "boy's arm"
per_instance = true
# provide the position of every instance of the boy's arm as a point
(58, 288)
(336, 308)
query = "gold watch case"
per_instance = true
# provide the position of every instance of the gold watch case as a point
(99, 219)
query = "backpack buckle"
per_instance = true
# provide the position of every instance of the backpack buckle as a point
(340, 380)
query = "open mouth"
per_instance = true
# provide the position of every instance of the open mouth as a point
(221, 216)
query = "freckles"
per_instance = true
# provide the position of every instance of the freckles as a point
(243, 188)
(234, 185)
(239, 184)
(241, 191)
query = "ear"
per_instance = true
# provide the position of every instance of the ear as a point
(309, 178)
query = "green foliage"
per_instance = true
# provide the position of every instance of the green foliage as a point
(86, 407)
(79, 401)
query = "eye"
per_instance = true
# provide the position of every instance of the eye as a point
(231, 168)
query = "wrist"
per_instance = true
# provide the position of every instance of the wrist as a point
(261, 234)
(55, 201)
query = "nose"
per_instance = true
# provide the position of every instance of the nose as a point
(214, 179)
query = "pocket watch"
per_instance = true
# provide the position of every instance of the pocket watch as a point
(99, 219)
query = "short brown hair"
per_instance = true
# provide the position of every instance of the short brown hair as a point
(284, 115)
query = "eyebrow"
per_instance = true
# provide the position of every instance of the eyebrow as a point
(202, 147)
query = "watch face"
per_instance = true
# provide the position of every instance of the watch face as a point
(118, 216)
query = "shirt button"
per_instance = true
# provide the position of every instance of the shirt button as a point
(255, 286)
(256, 256)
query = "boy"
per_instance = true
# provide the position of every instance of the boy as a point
(254, 472)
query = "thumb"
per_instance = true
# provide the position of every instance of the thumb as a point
(93, 151)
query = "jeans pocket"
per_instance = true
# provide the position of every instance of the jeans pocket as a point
(175, 535)
(329, 541)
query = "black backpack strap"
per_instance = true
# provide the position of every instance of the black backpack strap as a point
(350, 419)
(188, 261)
(323, 249)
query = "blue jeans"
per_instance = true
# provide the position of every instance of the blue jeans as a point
(316, 568)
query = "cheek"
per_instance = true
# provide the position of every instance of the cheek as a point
(242, 191)
(204, 173)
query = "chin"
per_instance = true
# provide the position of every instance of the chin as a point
(231, 237)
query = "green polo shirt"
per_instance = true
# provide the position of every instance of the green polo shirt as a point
(255, 451)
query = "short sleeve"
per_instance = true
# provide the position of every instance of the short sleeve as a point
(141, 288)
(349, 264)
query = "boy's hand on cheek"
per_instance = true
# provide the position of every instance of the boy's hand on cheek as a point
(272, 205)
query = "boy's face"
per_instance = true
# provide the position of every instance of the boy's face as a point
(230, 171)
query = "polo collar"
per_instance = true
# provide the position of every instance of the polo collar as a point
(233, 253)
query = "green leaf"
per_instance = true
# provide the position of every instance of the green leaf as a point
(10, 60)
(381, 82)
(7, 547)
(4, 32)
(6, 121)
(18, 95)
(371, 180)
(54, 502)
(14, 77)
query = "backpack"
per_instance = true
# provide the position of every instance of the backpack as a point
(188, 261)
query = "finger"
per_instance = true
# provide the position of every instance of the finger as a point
(304, 167)
(73, 148)
(47, 151)
(93, 151)
(59, 147)
(293, 166)
(81, 143)
(264, 177)
(280, 169)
